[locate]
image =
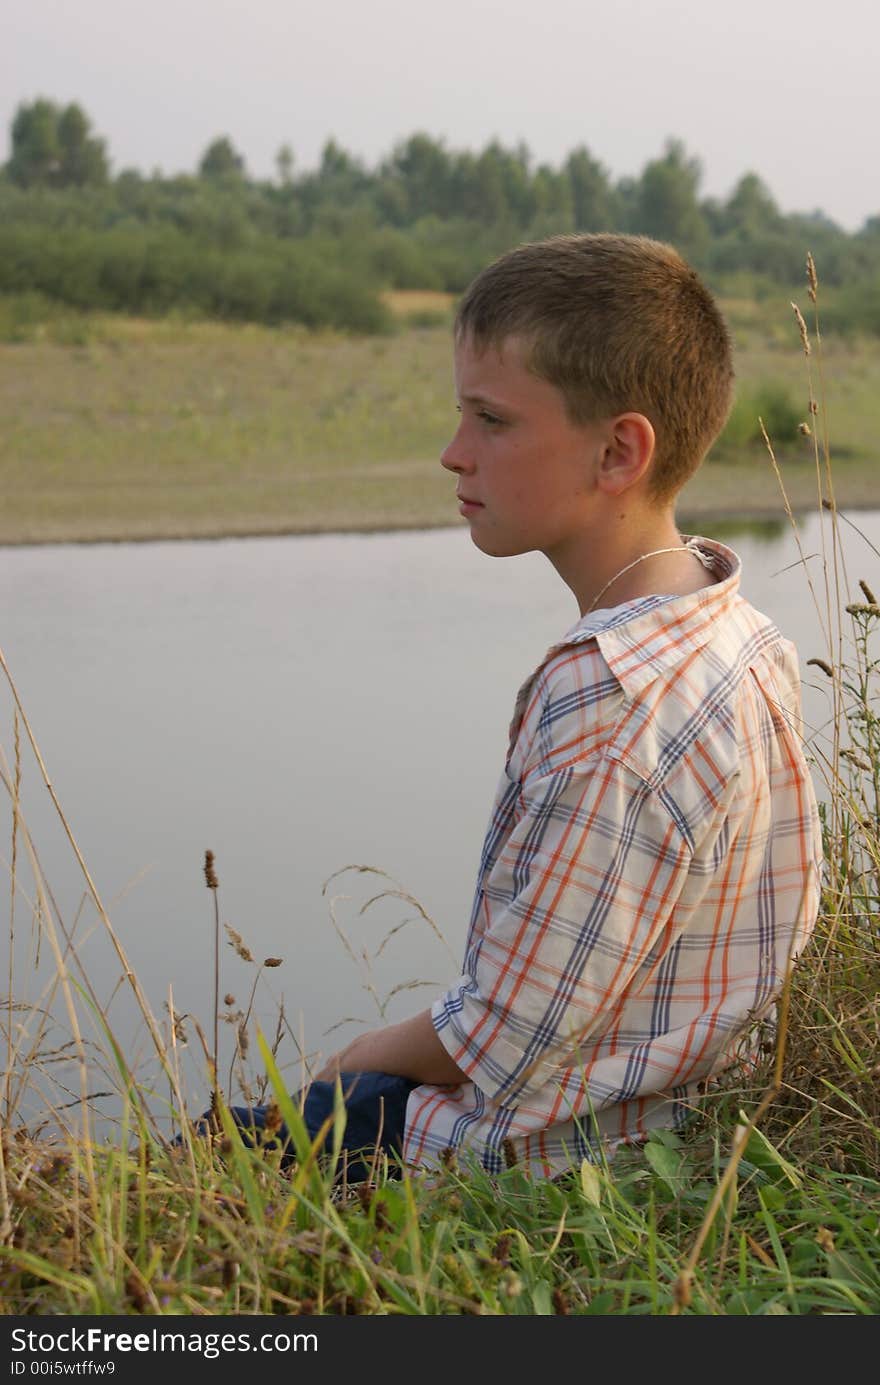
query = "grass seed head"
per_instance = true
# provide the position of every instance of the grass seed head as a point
(820, 663)
(236, 941)
(210, 874)
(802, 328)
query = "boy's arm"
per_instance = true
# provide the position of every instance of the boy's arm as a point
(408, 1049)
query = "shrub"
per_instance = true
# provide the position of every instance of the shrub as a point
(771, 402)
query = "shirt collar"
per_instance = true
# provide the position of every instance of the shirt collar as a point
(641, 638)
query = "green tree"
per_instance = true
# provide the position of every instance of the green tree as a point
(554, 213)
(83, 157)
(751, 208)
(336, 162)
(592, 197)
(221, 160)
(284, 164)
(36, 156)
(422, 166)
(54, 147)
(667, 206)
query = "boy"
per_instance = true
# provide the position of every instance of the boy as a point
(652, 860)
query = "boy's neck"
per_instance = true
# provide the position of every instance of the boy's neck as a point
(626, 557)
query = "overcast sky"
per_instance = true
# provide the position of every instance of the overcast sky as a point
(787, 88)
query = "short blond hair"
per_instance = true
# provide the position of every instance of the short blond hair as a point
(616, 323)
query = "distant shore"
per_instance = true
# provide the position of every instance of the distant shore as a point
(720, 497)
(154, 431)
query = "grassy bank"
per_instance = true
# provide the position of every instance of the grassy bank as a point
(123, 429)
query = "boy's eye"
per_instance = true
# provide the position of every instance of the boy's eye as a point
(485, 417)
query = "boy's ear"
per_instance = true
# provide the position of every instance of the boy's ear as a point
(628, 453)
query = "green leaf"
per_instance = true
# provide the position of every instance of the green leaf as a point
(666, 1164)
(760, 1152)
(670, 1138)
(542, 1300)
(590, 1184)
(772, 1197)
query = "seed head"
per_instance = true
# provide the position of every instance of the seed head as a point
(178, 1026)
(805, 430)
(869, 595)
(858, 761)
(210, 874)
(820, 663)
(802, 327)
(236, 941)
(502, 1251)
(812, 278)
(272, 961)
(229, 998)
(508, 1149)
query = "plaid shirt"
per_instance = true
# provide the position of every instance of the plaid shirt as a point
(651, 865)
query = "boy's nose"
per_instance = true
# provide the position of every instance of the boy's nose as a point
(454, 456)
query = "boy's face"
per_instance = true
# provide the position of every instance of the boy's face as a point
(525, 471)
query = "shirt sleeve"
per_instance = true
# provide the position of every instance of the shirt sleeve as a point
(579, 899)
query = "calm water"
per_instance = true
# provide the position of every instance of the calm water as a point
(297, 706)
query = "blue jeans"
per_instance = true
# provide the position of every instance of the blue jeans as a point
(375, 1107)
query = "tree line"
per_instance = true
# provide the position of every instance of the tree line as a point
(319, 246)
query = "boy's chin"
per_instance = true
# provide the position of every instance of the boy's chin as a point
(498, 547)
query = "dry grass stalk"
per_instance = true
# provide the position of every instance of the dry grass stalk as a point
(213, 884)
(16, 808)
(828, 1095)
(140, 997)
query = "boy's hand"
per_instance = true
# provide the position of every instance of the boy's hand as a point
(409, 1049)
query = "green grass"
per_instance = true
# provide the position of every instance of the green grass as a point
(232, 1235)
(117, 428)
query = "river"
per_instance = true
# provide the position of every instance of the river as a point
(297, 706)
